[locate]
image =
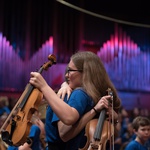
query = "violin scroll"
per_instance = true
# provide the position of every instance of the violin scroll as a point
(52, 60)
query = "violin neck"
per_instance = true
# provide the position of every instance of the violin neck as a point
(98, 131)
(29, 89)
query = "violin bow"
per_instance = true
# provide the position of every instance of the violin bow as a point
(111, 119)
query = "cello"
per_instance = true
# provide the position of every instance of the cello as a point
(15, 130)
(99, 131)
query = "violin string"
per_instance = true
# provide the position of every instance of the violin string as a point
(109, 124)
(109, 119)
(12, 112)
(113, 122)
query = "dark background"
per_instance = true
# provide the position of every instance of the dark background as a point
(28, 24)
(74, 25)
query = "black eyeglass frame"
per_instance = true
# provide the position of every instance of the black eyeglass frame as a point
(69, 70)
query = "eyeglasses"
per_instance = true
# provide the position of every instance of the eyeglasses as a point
(69, 70)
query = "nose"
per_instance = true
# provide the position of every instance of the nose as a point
(66, 76)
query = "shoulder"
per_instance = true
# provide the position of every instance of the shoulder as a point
(35, 127)
(132, 145)
(80, 92)
(5, 109)
(80, 89)
(34, 131)
(80, 100)
(79, 95)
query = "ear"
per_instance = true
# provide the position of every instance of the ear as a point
(134, 131)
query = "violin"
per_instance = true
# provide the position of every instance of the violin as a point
(98, 131)
(15, 130)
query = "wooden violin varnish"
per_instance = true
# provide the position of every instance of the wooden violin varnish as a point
(98, 131)
(16, 128)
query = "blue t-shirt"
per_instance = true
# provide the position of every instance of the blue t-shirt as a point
(52, 134)
(4, 109)
(127, 138)
(134, 145)
(35, 135)
(147, 143)
(82, 103)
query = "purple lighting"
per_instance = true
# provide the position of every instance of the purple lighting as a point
(125, 63)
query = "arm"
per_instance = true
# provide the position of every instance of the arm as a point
(69, 115)
(68, 132)
(25, 146)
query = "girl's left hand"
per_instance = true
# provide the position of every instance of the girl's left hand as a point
(65, 89)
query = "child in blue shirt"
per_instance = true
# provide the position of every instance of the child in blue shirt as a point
(141, 126)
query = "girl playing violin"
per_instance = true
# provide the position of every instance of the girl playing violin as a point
(88, 79)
